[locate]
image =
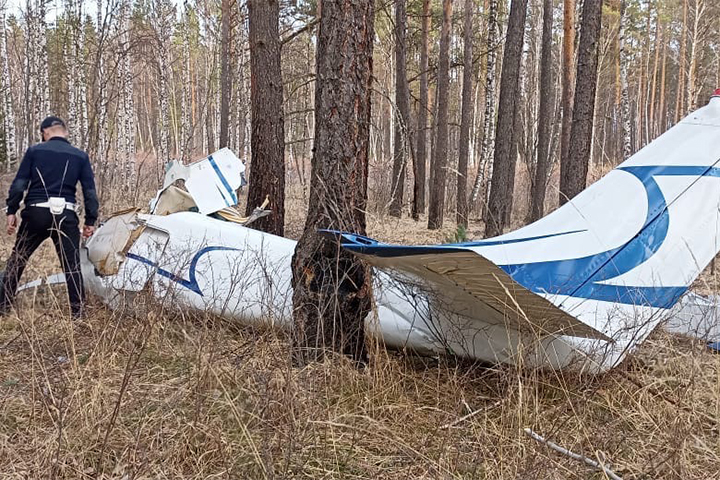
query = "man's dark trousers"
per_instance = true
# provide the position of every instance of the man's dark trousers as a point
(38, 223)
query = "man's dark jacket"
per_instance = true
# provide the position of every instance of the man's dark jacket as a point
(53, 169)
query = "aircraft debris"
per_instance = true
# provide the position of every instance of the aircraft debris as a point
(578, 289)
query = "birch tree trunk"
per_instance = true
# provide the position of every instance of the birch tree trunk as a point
(128, 110)
(101, 87)
(162, 35)
(186, 127)
(31, 83)
(699, 7)
(331, 287)
(43, 87)
(465, 117)
(71, 55)
(624, 95)
(488, 129)
(402, 111)
(436, 210)
(7, 100)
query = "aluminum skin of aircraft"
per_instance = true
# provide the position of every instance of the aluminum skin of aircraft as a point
(578, 289)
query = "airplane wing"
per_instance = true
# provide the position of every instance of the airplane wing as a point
(468, 283)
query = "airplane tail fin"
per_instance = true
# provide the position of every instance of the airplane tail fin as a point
(639, 236)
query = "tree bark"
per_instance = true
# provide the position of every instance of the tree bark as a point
(680, 99)
(502, 183)
(331, 287)
(465, 117)
(267, 167)
(624, 94)
(436, 210)
(421, 150)
(162, 33)
(699, 8)
(545, 116)
(567, 86)
(225, 68)
(489, 118)
(402, 110)
(7, 100)
(584, 108)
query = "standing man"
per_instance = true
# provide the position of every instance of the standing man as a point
(49, 173)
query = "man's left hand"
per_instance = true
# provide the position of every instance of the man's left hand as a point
(88, 231)
(11, 224)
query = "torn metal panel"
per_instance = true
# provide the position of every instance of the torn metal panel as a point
(107, 247)
(172, 200)
(212, 182)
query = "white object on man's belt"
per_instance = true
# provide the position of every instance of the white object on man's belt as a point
(56, 205)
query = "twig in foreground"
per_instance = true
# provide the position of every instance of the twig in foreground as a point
(576, 456)
(469, 415)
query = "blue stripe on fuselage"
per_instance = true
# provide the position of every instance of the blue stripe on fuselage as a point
(191, 284)
(223, 180)
(581, 277)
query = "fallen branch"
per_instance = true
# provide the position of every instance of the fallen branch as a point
(469, 415)
(565, 451)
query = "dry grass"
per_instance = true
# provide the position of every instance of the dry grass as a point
(175, 396)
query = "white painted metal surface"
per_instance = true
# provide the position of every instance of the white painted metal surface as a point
(212, 182)
(578, 289)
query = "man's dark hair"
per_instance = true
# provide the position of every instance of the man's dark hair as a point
(51, 121)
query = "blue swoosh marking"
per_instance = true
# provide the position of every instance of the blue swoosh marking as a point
(224, 181)
(580, 277)
(191, 284)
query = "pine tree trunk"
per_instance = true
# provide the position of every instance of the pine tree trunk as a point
(331, 287)
(680, 98)
(465, 117)
(545, 116)
(267, 167)
(502, 183)
(568, 86)
(584, 107)
(402, 110)
(436, 210)
(488, 130)
(421, 149)
(225, 66)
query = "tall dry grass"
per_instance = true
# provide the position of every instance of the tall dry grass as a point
(179, 396)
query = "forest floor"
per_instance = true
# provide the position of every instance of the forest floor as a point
(175, 396)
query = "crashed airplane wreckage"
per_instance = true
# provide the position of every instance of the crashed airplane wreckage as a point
(580, 288)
